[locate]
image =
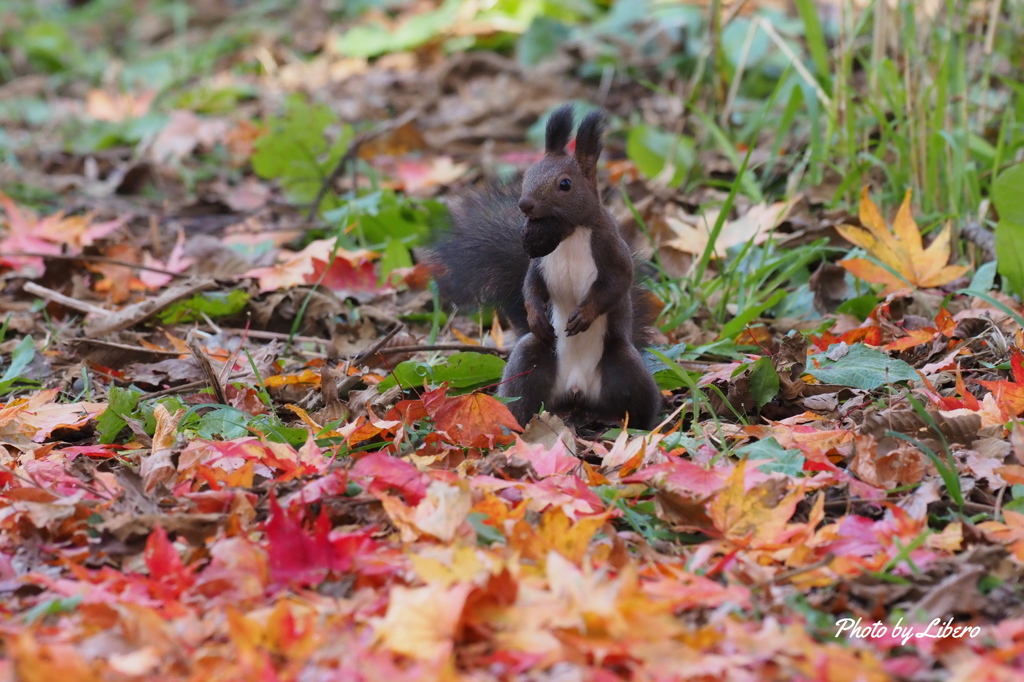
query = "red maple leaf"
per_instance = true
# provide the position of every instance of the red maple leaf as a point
(382, 473)
(170, 577)
(296, 556)
(474, 420)
(1010, 394)
(299, 557)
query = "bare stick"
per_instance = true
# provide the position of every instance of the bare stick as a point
(378, 344)
(443, 346)
(66, 301)
(96, 259)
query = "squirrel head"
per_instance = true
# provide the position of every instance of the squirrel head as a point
(560, 191)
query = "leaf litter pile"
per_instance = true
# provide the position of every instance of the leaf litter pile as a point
(241, 438)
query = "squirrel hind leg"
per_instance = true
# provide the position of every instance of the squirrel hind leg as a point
(628, 387)
(529, 376)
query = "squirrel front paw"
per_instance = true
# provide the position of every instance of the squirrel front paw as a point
(540, 326)
(579, 321)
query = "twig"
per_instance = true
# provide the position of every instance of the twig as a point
(66, 301)
(185, 387)
(353, 149)
(275, 336)
(139, 312)
(124, 347)
(199, 353)
(792, 573)
(372, 350)
(95, 259)
(443, 346)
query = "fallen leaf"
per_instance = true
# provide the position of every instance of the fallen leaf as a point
(473, 420)
(757, 224)
(421, 622)
(900, 249)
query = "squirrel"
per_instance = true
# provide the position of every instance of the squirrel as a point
(550, 257)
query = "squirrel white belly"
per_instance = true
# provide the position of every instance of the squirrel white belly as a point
(569, 272)
(550, 256)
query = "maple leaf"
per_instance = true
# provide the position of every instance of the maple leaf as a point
(440, 514)
(965, 401)
(1011, 532)
(417, 176)
(755, 517)
(296, 557)
(320, 261)
(28, 233)
(1009, 395)
(119, 106)
(422, 622)
(546, 461)
(35, 661)
(473, 420)
(176, 262)
(165, 565)
(901, 250)
(385, 472)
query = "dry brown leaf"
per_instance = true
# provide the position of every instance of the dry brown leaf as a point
(756, 224)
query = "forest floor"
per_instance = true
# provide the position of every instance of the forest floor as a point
(241, 437)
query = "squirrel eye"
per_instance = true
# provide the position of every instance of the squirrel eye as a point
(565, 185)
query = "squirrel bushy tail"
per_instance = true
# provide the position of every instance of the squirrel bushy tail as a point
(479, 259)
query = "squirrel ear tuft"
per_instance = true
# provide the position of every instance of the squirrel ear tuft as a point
(559, 129)
(589, 145)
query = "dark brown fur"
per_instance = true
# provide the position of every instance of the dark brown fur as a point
(482, 258)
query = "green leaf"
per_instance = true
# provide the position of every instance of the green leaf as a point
(395, 255)
(224, 422)
(1008, 197)
(749, 314)
(51, 607)
(859, 306)
(486, 534)
(984, 278)
(388, 216)
(858, 367)
(375, 39)
(48, 46)
(1008, 194)
(540, 40)
(650, 148)
(764, 381)
(296, 151)
(278, 432)
(212, 303)
(789, 462)
(21, 358)
(121, 403)
(462, 371)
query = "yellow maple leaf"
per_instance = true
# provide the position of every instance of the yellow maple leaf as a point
(422, 622)
(900, 249)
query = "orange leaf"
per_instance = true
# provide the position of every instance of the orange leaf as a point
(1010, 394)
(899, 250)
(914, 337)
(754, 517)
(473, 420)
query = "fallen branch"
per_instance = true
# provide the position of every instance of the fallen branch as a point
(66, 301)
(96, 259)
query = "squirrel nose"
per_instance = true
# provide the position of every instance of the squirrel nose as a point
(526, 206)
